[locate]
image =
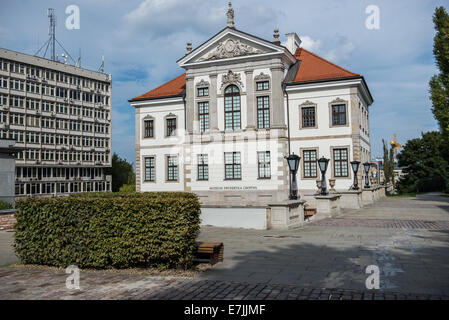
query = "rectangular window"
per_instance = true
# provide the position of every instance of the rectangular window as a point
(341, 163)
(233, 168)
(310, 165)
(203, 92)
(308, 117)
(171, 126)
(172, 168)
(262, 85)
(263, 163)
(203, 109)
(263, 112)
(149, 129)
(203, 167)
(339, 115)
(149, 169)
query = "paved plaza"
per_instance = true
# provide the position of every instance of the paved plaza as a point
(407, 238)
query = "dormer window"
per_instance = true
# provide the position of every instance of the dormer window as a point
(203, 92)
(262, 85)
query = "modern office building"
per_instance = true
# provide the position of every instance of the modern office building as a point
(61, 115)
(223, 128)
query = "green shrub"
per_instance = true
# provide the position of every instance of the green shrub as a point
(128, 188)
(5, 205)
(151, 195)
(105, 232)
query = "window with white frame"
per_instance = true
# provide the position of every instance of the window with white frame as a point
(233, 167)
(341, 162)
(203, 167)
(203, 112)
(264, 164)
(172, 168)
(232, 107)
(149, 168)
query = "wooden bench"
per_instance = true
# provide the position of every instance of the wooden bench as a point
(211, 252)
(309, 212)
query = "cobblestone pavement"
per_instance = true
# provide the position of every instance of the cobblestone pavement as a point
(407, 239)
(382, 223)
(19, 283)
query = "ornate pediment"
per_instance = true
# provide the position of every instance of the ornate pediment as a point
(307, 103)
(338, 100)
(230, 48)
(262, 76)
(203, 83)
(231, 78)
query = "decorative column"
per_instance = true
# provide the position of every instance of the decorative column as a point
(250, 116)
(213, 111)
(190, 106)
(277, 75)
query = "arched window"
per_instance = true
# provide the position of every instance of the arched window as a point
(232, 107)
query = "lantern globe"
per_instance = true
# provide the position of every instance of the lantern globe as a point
(322, 163)
(355, 166)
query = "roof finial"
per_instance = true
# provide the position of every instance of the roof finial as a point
(276, 36)
(188, 48)
(230, 15)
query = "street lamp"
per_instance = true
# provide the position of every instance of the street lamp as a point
(366, 167)
(322, 163)
(355, 168)
(293, 165)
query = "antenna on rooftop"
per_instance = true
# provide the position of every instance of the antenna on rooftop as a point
(78, 63)
(101, 69)
(51, 42)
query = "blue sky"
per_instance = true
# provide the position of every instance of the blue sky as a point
(142, 40)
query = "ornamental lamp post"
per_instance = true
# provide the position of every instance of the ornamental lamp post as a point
(355, 168)
(322, 163)
(366, 167)
(293, 165)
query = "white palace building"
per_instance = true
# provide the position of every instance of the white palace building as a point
(223, 128)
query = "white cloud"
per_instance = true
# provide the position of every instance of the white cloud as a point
(342, 51)
(309, 44)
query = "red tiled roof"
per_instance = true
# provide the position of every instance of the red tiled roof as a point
(314, 68)
(311, 68)
(171, 88)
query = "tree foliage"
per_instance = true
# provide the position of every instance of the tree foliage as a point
(439, 84)
(122, 173)
(425, 165)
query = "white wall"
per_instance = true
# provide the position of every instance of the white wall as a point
(248, 218)
(324, 136)
(160, 146)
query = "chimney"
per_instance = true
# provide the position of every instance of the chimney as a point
(293, 42)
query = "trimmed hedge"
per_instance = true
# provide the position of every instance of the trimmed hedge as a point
(104, 232)
(151, 195)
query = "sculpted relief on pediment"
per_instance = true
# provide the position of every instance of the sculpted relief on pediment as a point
(230, 48)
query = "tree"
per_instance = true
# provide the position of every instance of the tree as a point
(122, 173)
(425, 166)
(439, 84)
